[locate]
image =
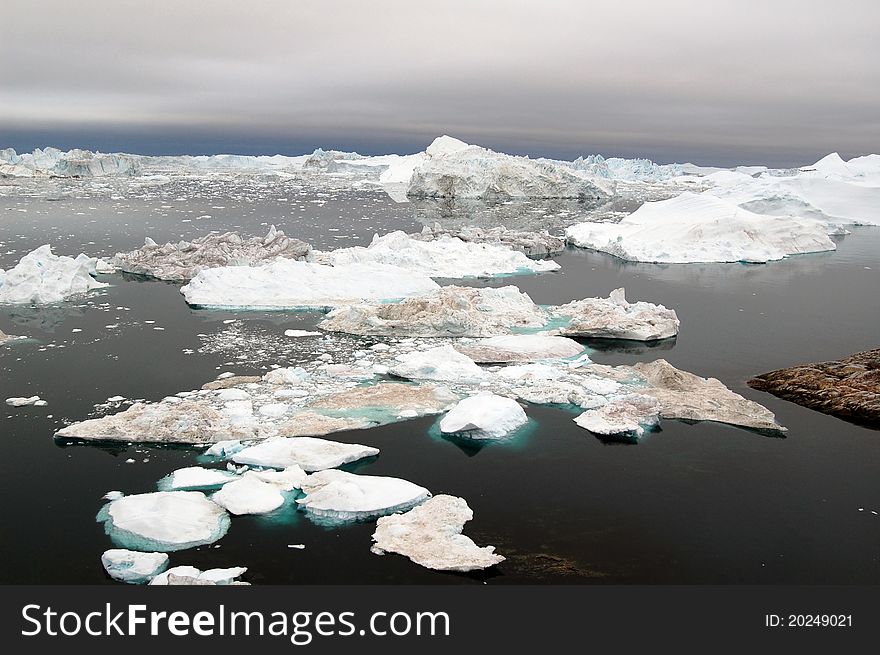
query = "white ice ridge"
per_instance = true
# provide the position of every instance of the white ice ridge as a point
(341, 496)
(184, 259)
(294, 284)
(132, 567)
(190, 575)
(42, 277)
(702, 228)
(484, 416)
(430, 535)
(310, 453)
(443, 257)
(164, 521)
(453, 169)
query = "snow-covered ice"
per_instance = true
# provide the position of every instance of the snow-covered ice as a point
(249, 495)
(42, 277)
(164, 521)
(484, 416)
(340, 496)
(431, 536)
(132, 567)
(195, 477)
(443, 363)
(310, 453)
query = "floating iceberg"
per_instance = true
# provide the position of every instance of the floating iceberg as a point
(484, 416)
(453, 169)
(307, 452)
(133, 567)
(384, 401)
(183, 260)
(164, 521)
(443, 257)
(42, 277)
(74, 163)
(195, 478)
(519, 348)
(190, 575)
(430, 535)
(24, 402)
(340, 496)
(292, 284)
(448, 311)
(249, 495)
(686, 396)
(631, 170)
(629, 415)
(531, 244)
(701, 228)
(442, 363)
(615, 318)
(848, 388)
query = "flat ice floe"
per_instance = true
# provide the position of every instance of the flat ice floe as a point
(447, 311)
(430, 535)
(132, 567)
(24, 402)
(42, 277)
(310, 453)
(442, 257)
(195, 478)
(694, 228)
(339, 496)
(615, 318)
(689, 397)
(519, 348)
(183, 260)
(454, 169)
(287, 284)
(442, 363)
(249, 495)
(190, 575)
(164, 521)
(483, 416)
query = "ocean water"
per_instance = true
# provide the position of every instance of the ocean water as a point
(702, 503)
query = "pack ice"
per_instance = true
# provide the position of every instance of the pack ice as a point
(483, 416)
(339, 496)
(701, 228)
(430, 535)
(295, 284)
(183, 260)
(164, 521)
(42, 277)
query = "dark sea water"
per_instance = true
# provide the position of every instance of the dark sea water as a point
(701, 503)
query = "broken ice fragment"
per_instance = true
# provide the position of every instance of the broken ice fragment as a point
(339, 496)
(193, 478)
(133, 567)
(484, 416)
(310, 453)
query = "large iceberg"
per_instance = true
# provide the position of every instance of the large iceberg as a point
(453, 169)
(42, 277)
(443, 257)
(340, 496)
(484, 416)
(447, 311)
(615, 318)
(164, 521)
(74, 163)
(183, 260)
(293, 284)
(430, 535)
(701, 228)
(310, 453)
(519, 348)
(133, 567)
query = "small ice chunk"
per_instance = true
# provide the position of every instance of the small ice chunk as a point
(133, 567)
(23, 402)
(191, 575)
(441, 363)
(484, 416)
(342, 496)
(249, 495)
(301, 333)
(195, 477)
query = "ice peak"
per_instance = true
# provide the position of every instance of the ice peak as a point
(445, 145)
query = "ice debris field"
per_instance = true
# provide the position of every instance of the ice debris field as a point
(403, 335)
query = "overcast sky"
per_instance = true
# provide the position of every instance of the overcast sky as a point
(781, 82)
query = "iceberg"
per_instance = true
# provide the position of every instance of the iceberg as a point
(442, 257)
(51, 162)
(339, 496)
(288, 284)
(249, 495)
(615, 318)
(442, 363)
(531, 244)
(183, 260)
(24, 402)
(431, 536)
(133, 567)
(195, 478)
(190, 575)
(310, 453)
(452, 171)
(484, 416)
(164, 521)
(383, 401)
(519, 348)
(629, 416)
(701, 228)
(689, 397)
(452, 311)
(42, 277)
